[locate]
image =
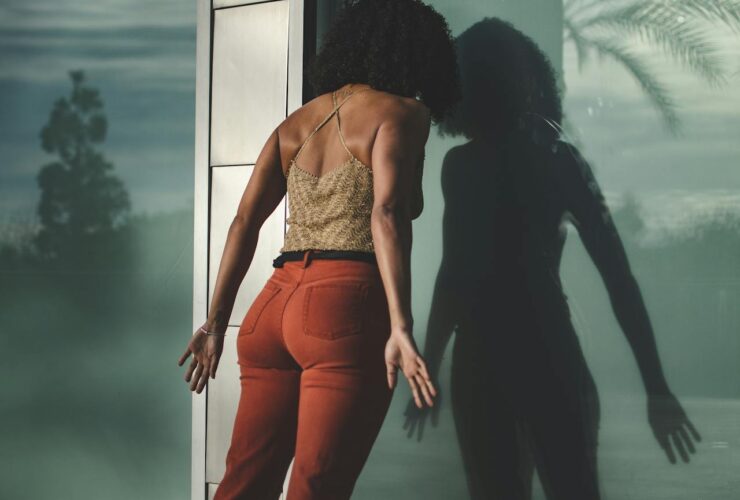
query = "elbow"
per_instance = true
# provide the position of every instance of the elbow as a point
(388, 218)
(384, 209)
(241, 226)
(391, 227)
(388, 212)
(240, 222)
(623, 287)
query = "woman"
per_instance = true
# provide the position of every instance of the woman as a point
(321, 344)
(522, 394)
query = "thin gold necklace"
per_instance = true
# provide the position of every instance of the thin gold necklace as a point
(350, 87)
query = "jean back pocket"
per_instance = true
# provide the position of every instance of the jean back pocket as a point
(334, 310)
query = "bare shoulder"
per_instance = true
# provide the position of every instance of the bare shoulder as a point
(296, 120)
(298, 124)
(405, 115)
(402, 133)
(407, 109)
(377, 102)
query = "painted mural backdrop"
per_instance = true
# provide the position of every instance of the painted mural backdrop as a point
(579, 297)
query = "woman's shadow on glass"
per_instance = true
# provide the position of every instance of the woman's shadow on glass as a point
(522, 395)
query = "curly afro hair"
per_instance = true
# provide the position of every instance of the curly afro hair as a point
(399, 46)
(508, 84)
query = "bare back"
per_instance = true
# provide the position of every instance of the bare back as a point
(331, 190)
(359, 119)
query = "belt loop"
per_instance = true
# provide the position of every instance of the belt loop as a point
(307, 257)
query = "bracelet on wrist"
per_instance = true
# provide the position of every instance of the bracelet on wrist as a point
(216, 334)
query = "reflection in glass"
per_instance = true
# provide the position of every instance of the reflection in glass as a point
(522, 394)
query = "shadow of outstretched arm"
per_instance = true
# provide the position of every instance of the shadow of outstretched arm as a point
(442, 320)
(440, 326)
(592, 219)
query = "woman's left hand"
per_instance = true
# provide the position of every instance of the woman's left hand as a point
(401, 352)
(206, 351)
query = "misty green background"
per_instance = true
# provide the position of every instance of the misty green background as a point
(94, 405)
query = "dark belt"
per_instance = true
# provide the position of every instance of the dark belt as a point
(324, 254)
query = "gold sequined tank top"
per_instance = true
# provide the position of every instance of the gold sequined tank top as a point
(331, 211)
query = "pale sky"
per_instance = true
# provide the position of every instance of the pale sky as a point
(141, 56)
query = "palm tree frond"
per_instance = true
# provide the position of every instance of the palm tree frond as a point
(655, 91)
(725, 11)
(574, 9)
(655, 23)
(572, 33)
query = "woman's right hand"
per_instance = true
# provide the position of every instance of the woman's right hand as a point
(401, 352)
(206, 351)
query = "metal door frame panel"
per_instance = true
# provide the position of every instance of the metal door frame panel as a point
(201, 209)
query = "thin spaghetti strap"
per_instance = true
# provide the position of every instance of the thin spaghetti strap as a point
(326, 119)
(316, 129)
(339, 125)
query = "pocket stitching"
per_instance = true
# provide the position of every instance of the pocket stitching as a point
(358, 324)
(273, 290)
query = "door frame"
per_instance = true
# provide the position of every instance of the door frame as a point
(301, 27)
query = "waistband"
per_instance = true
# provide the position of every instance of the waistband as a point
(306, 255)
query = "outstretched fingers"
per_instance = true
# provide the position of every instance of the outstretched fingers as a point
(414, 388)
(424, 387)
(666, 445)
(203, 379)
(196, 376)
(191, 369)
(692, 429)
(679, 445)
(391, 372)
(184, 356)
(214, 365)
(425, 374)
(686, 439)
(418, 384)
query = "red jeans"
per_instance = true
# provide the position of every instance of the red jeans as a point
(313, 382)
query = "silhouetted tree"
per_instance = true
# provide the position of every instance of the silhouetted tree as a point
(81, 201)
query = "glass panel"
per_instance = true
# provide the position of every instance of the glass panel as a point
(96, 248)
(568, 287)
